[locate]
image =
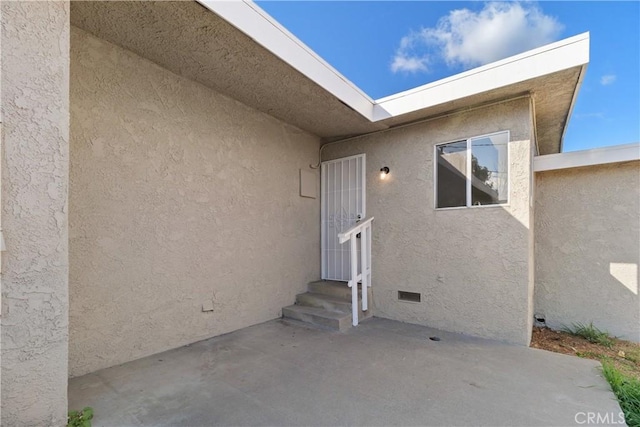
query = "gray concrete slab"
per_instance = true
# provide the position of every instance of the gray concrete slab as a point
(381, 373)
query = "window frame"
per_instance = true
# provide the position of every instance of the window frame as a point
(468, 174)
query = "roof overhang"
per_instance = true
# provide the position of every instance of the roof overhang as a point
(240, 51)
(593, 157)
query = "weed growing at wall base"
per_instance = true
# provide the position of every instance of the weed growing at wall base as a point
(80, 418)
(590, 333)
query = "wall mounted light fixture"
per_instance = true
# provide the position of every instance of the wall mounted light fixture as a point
(384, 172)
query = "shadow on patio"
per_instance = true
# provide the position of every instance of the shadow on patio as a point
(381, 373)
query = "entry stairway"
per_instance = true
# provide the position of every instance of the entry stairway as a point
(327, 304)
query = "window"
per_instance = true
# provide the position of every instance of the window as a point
(473, 172)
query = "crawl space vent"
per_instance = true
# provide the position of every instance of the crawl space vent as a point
(409, 296)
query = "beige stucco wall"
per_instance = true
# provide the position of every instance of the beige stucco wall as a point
(588, 247)
(179, 197)
(35, 146)
(471, 265)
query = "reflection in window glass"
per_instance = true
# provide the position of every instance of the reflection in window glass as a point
(451, 175)
(489, 165)
(477, 181)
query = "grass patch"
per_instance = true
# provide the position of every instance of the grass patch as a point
(591, 334)
(80, 418)
(627, 390)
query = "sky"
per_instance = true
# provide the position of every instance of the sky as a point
(386, 47)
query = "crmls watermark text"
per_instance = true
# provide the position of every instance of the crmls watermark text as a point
(609, 418)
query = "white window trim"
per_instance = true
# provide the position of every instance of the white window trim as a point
(468, 173)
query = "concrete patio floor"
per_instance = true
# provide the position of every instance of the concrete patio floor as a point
(381, 373)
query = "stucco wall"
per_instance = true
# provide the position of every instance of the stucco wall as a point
(588, 247)
(35, 144)
(179, 197)
(471, 265)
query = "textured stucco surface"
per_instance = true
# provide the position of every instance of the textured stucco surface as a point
(35, 143)
(180, 197)
(471, 265)
(190, 40)
(588, 247)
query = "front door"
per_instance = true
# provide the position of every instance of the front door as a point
(343, 203)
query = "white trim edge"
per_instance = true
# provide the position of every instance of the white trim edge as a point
(545, 60)
(595, 156)
(250, 19)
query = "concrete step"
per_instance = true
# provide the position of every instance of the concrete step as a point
(318, 316)
(334, 289)
(330, 303)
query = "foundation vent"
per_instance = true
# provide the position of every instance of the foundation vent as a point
(409, 296)
(539, 320)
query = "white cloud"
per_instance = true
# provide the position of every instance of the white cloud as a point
(466, 38)
(409, 64)
(406, 59)
(607, 79)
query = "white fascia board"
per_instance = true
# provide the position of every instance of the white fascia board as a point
(249, 18)
(595, 156)
(548, 59)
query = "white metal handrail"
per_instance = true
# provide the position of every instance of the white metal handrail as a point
(364, 229)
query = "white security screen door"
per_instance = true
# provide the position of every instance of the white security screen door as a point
(343, 204)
